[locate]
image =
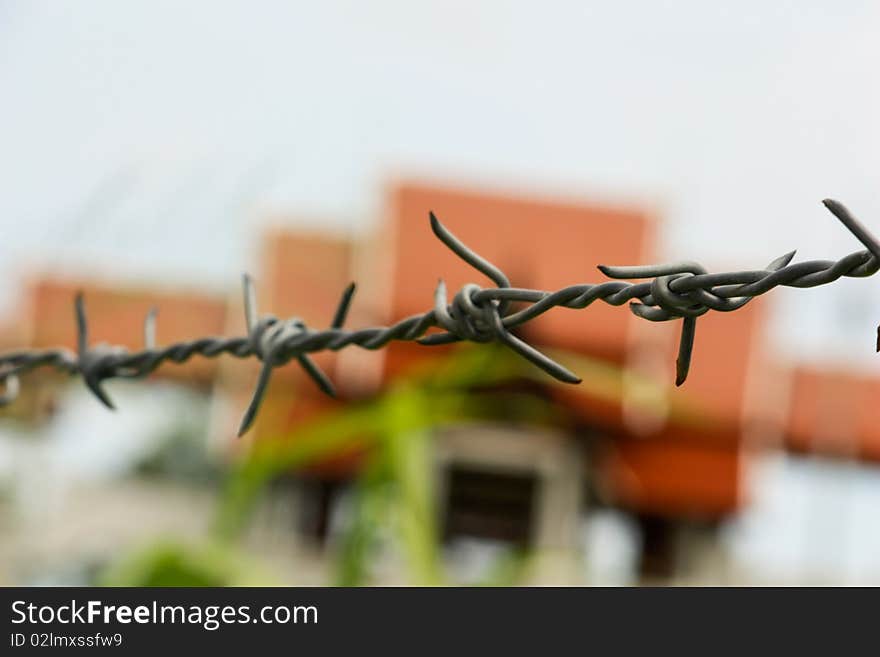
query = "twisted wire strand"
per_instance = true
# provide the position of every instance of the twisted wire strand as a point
(683, 290)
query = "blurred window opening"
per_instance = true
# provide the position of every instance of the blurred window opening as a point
(658, 558)
(319, 496)
(490, 505)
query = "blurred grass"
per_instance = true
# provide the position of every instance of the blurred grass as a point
(174, 563)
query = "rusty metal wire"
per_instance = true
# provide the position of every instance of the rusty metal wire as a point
(683, 290)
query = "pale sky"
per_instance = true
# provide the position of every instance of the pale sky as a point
(146, 139)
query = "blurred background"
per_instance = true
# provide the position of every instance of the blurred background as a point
(153, 151)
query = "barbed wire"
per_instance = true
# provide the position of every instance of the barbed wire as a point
(682, 290)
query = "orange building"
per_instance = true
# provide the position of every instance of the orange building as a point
(116, 316)
(539, 244)
(680, 454)
(662, 453)
(689, 463)
(833, 413)
(46, 320)
(301, 275)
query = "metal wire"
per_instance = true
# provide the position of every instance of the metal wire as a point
(683, 290)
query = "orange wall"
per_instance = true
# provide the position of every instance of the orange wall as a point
(679, 469)
(116, 316)
(728, 350)
(546, 245)
(303, 275)
(834, 413)
(538, 244)
(672, 477)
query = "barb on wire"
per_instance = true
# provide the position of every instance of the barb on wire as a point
(683, 290)
(269, 339)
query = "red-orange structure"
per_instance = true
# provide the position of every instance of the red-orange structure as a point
(116, 316)
(687, 461)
